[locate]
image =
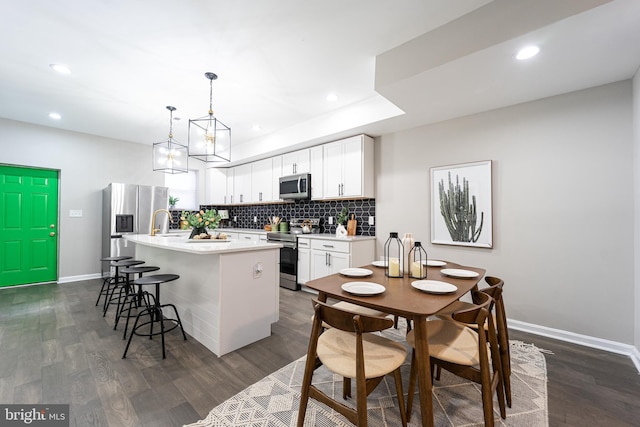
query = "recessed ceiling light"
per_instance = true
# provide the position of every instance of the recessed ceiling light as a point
(332, 97)
(527, 52)
(256, 128)
(55, 116)
(62, 69)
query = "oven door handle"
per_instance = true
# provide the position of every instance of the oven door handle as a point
(289, 245)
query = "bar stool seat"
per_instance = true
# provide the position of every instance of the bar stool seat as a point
(119, 281)
(155, 312)
(131, 296)
(104, 290)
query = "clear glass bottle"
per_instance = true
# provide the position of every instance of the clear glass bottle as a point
(394, 256)
(417, 262)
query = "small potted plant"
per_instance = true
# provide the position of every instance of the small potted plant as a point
(341, 219)
(173, 201)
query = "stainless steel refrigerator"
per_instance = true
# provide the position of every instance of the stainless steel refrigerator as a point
(128, 209)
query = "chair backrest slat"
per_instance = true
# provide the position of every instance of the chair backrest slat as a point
(347, 321)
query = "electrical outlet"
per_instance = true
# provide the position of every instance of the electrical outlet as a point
(235, 218)
(255, 219)
(257, 270)
(330, 220)
(371, 221)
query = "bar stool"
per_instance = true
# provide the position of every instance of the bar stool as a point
(132, 297)
(121, 281)
(155, 312)
(106, 282)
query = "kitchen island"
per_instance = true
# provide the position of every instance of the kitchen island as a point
(228, 292)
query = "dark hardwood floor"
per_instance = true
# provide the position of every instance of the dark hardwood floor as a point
(55, 347)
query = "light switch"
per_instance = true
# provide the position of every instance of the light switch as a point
(330, 220)
(371, 221)
(75, 213)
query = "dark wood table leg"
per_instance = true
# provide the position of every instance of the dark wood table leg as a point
(424, 371)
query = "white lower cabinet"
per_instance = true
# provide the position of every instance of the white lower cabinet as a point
(304, 260)
(329, 256)
(324, 263)
(248, 237)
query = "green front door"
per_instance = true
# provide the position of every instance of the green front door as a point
(28, 226)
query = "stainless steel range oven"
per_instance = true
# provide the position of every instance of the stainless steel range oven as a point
(288, 259)
(289, 251)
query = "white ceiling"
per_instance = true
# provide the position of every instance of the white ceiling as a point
(393, 64)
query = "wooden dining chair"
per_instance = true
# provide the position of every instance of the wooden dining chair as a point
(495, 291)
(461, 349)
(349, 349)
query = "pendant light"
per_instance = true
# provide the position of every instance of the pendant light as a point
(170, 156)
(209, 139)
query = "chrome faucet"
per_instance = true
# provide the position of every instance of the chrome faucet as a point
(154, 230)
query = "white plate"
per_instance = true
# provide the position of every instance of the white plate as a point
(356, 272)
(454, 272)
(379, 263)
(363, 288)
(434, 263)
(208, 240)
(434, 286)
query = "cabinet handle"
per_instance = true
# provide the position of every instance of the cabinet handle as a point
(329, 259)
(247, 237)
(328, 246)
(241, 198)
(326, 259)
(260, 196)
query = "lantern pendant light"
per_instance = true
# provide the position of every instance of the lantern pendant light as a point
(170, 156)
(209, 138)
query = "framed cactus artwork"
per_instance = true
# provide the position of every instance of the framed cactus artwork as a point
(461, 205)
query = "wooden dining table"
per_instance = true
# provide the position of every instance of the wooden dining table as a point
(400, 298)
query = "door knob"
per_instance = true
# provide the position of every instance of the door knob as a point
(52, 226)
(52, 234)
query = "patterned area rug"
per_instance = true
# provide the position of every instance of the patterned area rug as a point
(273, 401)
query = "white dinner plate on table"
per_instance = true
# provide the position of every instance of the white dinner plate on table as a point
(434, 286)
(208, 240)
(363, 288)
(462, 274)
(434, 263)
(379, 263)
(356, 272)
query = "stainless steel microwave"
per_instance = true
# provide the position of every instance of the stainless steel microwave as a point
(295, 186)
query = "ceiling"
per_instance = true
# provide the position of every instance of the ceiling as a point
(393, 65)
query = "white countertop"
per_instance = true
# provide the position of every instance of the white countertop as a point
(309, 235)
(333, 237)
(180, 242)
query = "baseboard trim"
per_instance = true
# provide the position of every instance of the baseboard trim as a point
(585, 340)
(79, 278)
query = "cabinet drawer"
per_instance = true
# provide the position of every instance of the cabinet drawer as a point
(304, 243)
(330, 245)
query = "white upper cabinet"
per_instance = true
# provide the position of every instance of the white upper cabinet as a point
(216, 186)
(315, 168)
(262, 181)
(242, 184)
(277, 173)
(348, 168)
(340, 169)
(295, 162)
(230, 181)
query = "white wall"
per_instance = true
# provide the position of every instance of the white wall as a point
(636, 215)
(563, 200)
(87, 164)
